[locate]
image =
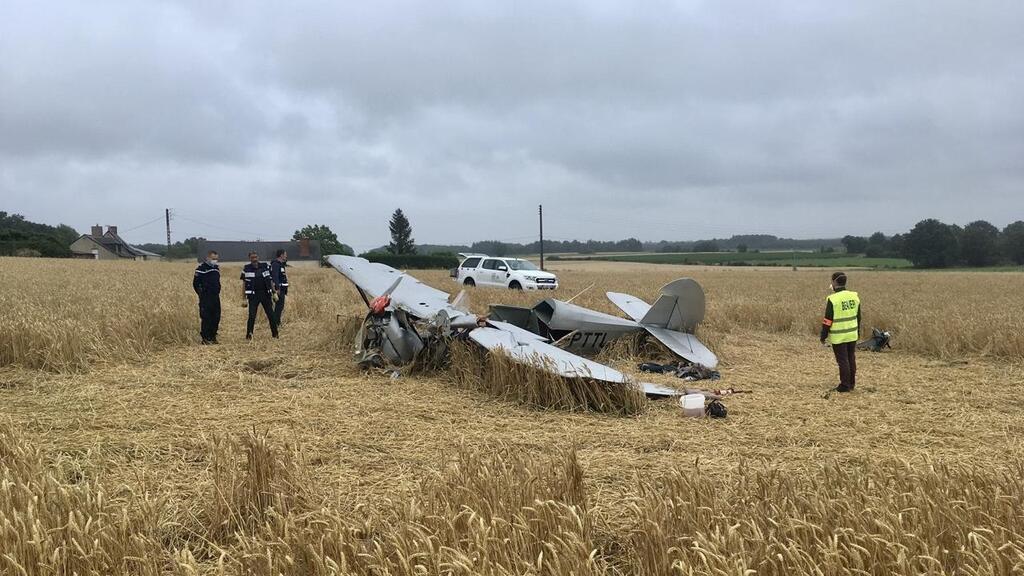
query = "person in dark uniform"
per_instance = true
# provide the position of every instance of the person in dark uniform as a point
(280, 278)
(841, 329)
(206, 283)
(257, 286)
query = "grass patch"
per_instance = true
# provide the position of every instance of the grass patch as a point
(804, 259)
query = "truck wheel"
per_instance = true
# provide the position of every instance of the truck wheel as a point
(469, 282)
(515, 285)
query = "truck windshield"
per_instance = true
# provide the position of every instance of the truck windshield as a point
(521, 265)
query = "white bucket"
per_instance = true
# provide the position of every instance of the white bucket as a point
(693, 405)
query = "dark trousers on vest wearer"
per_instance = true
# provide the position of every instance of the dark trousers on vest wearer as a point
(209, 317)
(279, 307)
(846, 358)
(255, 302)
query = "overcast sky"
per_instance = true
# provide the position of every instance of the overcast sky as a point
(659, 120)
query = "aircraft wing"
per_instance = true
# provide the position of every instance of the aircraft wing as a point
(685, 345)
(527, 348)
(634, 307)
(411, 295)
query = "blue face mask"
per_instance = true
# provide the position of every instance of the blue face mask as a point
(213, 262)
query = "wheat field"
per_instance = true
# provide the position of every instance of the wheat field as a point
(127, 448)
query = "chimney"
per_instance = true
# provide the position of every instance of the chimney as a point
(304, 248)
(111, 230)
(97, 231)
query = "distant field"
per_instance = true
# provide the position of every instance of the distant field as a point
(813, 259)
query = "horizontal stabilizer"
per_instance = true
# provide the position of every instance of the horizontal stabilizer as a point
(634, 307)
(686, 345)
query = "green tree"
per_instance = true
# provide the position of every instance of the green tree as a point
(401, 234)
(932, 244)
(66, 234)
(855, 244)
(188, 248)
(742, 248)
(979, 244)
(897, 245)
(706, 246)
(629, 245)
(1013, 242)
(329, 243)
(878, 246)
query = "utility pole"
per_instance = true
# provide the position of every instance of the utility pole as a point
(167, 219)
(540, 213)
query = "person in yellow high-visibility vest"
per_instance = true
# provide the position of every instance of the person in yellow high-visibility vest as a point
(841, 328)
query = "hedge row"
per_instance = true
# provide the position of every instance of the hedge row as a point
(441, 260)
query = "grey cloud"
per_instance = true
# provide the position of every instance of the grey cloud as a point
(120, 79)
(670, 120)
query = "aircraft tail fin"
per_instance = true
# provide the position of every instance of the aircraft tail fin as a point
(663, 314)
(680, 307)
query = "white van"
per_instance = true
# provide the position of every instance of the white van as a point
(512, 273)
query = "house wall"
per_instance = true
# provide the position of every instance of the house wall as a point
(85, 246)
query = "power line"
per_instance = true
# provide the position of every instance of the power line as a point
(145, 224)
(226, 229)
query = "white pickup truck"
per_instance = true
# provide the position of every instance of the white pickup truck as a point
(513, 273)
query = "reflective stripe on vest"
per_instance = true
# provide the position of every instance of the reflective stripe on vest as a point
(845, 306)
(249, 275)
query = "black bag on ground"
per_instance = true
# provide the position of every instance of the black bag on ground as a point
(879, 339)
(716, 409)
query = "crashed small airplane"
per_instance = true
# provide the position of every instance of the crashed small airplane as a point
(672, 320)
(406, 317)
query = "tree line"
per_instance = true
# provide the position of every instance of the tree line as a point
(930, 244)
(934, 244)
(181, 250)
(739, 243)
(20, 237)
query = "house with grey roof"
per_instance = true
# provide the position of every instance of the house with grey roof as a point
(100, 245)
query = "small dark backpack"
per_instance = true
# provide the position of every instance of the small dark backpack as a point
(716, 409)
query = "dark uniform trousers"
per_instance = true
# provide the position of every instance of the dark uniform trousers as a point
(206, 283)
(261, 298)
(279, 273)
(846, 358)
(279, 306)
(209, 316)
